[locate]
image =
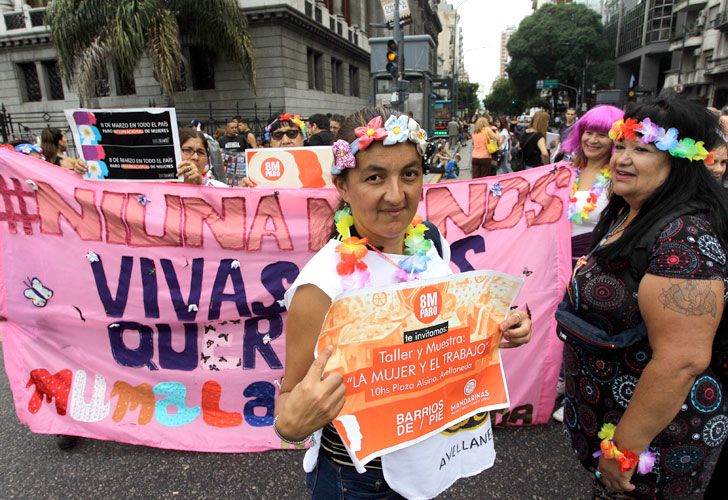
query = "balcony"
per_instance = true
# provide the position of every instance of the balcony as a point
(721, 22)
(686, 41)
(719, 66)
(694, 77)
(688, 5)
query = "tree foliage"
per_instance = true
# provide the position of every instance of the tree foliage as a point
(559, 42)
(468, 96)
(502, 99)
(89, 33)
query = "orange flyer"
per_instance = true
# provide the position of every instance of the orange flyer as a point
(308, 167)
(417, 357)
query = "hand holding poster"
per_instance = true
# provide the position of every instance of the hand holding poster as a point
(417, 357)
(127, 144)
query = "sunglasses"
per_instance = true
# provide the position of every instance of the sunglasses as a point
(291, 133)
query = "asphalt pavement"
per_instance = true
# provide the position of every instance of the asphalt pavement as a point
(532, 463)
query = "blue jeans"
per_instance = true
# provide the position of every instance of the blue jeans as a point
(331, 481)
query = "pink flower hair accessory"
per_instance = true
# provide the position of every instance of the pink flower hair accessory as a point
(395, 131)
(343, 157)
(372, 132)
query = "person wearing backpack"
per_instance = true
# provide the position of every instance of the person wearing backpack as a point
(643, 326)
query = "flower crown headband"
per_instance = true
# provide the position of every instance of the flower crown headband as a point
(665, 140)
(395, 130)
(287, 117)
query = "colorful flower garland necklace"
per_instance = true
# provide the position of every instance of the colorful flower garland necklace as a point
(598, 186)
(664, 140)
(352, 250)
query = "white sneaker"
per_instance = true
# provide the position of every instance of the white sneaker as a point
(558, 415)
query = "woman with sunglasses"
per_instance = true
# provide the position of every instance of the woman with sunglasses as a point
(286, 131)
(194, 167)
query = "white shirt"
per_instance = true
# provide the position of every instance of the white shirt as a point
(588, 224)
(415, 472)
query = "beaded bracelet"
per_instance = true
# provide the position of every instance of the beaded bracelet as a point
(627, 459)
(302, 442)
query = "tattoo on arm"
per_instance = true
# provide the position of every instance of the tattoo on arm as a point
(690, 297)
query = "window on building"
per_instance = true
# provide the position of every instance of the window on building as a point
(346, 10)
(14, 21)
(103, 89)
(37, 18)
(54, 83)
(30, 87)
(337, 76)
(309, 9)
(202, 68)
(315, 70)
(354, 81)
(124, 83)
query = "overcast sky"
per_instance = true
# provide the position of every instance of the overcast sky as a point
(482, 22)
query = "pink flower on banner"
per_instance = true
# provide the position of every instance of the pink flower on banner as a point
(93, 153)
(342, 157)
(649, 131)
(84, 118)
(372, 132)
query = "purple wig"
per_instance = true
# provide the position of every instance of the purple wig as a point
(598, 119)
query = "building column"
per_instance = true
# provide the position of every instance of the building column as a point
(649, 73)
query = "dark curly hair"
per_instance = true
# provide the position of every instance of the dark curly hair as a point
(688, 184)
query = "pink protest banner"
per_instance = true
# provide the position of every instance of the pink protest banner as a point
(149, 313)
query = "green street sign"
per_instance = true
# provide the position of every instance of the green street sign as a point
(550, 84)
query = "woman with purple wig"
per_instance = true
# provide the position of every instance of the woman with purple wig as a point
(589, 145)
(591, 148)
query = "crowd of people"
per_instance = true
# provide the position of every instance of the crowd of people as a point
(645, 362)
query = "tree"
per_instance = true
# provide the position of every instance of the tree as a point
(468, 96)
(562, 42)
(89, 33)
(502, 99)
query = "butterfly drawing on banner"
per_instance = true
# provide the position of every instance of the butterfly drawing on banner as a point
(37, 293)
(527, 272)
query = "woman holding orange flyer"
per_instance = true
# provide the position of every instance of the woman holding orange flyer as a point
(378, 240)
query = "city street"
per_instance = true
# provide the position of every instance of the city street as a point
(532, 462)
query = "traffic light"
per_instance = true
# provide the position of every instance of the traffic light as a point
(392, 56)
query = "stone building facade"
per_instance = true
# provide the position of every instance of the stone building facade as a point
(311, 55)
(699, 47)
